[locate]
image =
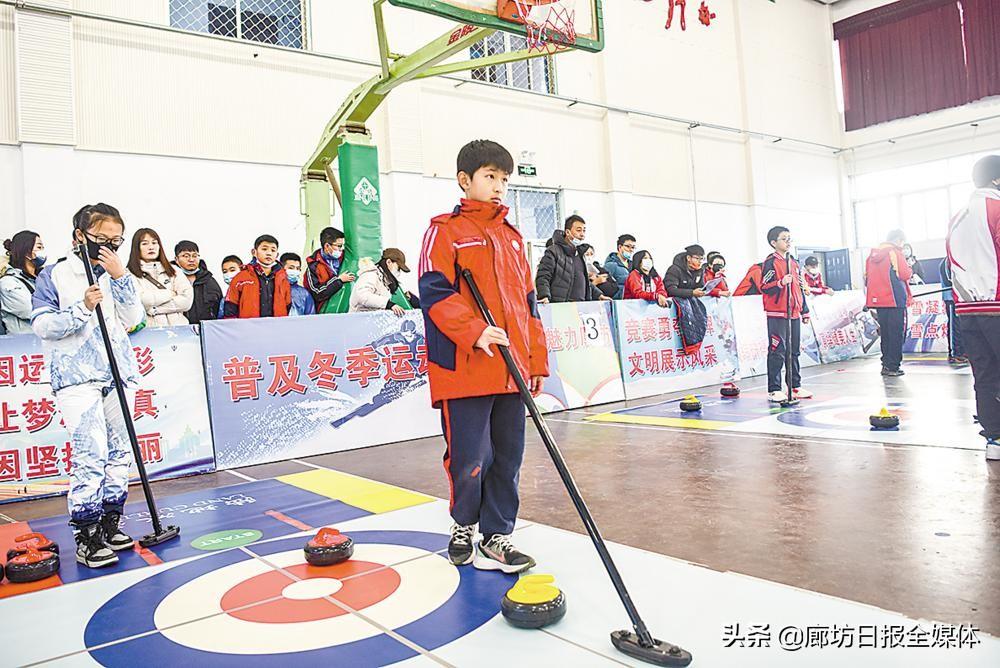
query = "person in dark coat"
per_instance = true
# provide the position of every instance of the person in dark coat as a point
(686, 276)
(599, 276)
(207, 292)
(562, 274)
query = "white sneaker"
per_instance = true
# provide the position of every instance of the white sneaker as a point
(992, 451)
(799, 393)
(777, 397)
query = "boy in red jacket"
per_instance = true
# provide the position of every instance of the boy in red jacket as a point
(887, 282)
(814, 279)
(481, 411)
(261, 289)
(781, 289)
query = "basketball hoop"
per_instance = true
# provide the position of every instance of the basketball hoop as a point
(546, 22)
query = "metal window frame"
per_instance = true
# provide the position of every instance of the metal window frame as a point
(485, 75)
(518, 189)
(305, 24)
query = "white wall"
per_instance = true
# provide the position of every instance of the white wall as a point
(202, 137)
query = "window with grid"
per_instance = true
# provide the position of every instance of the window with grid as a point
(278, 22)
(535, 211)
(537, 74)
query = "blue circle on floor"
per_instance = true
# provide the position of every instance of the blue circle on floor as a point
(854, 418)
(130, 614)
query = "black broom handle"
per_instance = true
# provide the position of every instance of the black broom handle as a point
(645, 638)
(123, 400)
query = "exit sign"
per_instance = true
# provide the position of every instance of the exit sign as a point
(527, 170)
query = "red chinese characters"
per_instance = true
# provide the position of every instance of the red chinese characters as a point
(242, 376)
(10, 465)
(144, 405)
(323, 370)
(42, 461)
(30, 369)
(286, 375)
(363, 365)
(144, 358)
(6, 413)
(399, 364)
(150, 447)
(7, 378)
(38, 414)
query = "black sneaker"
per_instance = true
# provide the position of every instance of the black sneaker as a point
(892, 373)
(114, 537)
(90, 548)
(460, 545)
(499, 554)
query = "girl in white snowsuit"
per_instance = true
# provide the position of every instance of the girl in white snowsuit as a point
(63, 316)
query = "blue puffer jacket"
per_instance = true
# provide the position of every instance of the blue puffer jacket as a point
(618, 271)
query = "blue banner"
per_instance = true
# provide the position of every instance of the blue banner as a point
(170, 412)
(294, 387)
(652, 356)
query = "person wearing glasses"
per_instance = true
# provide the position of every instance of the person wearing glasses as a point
(619, 264)
(63, 316)
(784, 301)
(207, 292)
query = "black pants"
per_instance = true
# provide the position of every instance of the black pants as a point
(777, 332)
(485, 437)
(981, 334)
(892, 326)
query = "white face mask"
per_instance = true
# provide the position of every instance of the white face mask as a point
(293, 275)
(228, 276)
(575, 241)
(646, 265)
(590, 258)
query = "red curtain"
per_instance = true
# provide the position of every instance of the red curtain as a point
(982, 42)
(903, 59)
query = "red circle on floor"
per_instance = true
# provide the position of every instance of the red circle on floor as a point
(360, 590)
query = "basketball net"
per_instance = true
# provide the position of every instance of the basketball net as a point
(548, 23)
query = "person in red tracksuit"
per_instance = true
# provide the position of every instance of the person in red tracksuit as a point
(781, 283)
(887, 282)
(715, 267)
(814, 279)
(750, 285)
(481, 411)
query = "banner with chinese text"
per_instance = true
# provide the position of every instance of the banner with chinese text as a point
(294, 387)
(583, 364)
(170, 413)
(927, 324)
(751, 337)
(842, 326)
(652, 357)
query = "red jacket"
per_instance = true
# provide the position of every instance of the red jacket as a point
(750, 285)
(815, 283)
(243, 298)
(776, 295)
(637, 288)
(721, 287)
(477, 236)
(974, 254)
(887, 276)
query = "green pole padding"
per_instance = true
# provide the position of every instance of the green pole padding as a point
(399, 298)
(319, 212)
(362, 210)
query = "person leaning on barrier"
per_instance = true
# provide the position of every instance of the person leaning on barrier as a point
(600, 278)
(686, 276)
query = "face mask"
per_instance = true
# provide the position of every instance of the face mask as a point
(718, 267)
(337, 253)
(589, 258)
(39, 260)
(293, 275)
(907, 253)
(189, 272)
(266, 266)
(228, 277)
(812, 270)
(575, 241)
(627, 255)
(94, 248)
(646, 265)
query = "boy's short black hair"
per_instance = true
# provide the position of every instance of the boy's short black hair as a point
(231, 258)
(185, 247)
(330, 235)
(623, 239)
(484, 153)
(572, 220)
(812, 261)
(285, 257)
(264, 239)
(775, 232)
(695, 250)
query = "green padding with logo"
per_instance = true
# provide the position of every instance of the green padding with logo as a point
(362, 208)
(223, 540)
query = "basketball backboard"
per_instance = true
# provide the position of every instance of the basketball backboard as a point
(587, 17)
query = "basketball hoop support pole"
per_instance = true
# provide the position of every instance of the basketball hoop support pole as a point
(364, 100)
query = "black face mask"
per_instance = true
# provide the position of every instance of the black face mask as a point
(718, 267)
(94, 248)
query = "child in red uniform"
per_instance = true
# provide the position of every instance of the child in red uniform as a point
(261, 289)
(814, 279)
(715, 267)
(481, 411)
